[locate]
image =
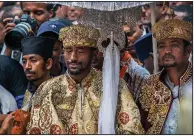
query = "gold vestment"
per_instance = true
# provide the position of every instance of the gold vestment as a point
(60, 106)
(156, 99)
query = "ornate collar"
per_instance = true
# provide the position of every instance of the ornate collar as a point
(84, 81)
(184, 78)
(187, 75)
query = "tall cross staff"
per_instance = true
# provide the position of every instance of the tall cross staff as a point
(154, 43)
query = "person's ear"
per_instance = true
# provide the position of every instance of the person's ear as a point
(189, 50)
(49, 63)
(51, 13)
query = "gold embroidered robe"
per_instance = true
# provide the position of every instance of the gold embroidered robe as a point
(26, 105)
(155, 100)
(56, 107)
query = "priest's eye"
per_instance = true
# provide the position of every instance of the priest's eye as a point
(68, 50)
(39, 12)
(23, 61)
(175, 45)
(33, 60)
(161, 46)
(80, 51)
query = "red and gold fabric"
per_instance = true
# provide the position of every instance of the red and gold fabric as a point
(156, 99)
(58, 109)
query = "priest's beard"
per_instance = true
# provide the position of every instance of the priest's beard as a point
(38, 76)
(81, 68)
(169, 64)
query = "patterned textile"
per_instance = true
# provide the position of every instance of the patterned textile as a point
(135, 76)
(31, 89)
(173, 28)
(156, 100)
(79, 35)
(21, 118)
(170, 126)
(27, 103)
(60, 106)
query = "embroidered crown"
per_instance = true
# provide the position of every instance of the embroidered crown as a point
(79, 35)
(173, 28)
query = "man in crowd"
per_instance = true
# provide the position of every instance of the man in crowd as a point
(163, 96)
(40, 11)
(71, 101)
(162, 11)
(51, 29)
(37, 62)
(5, 14)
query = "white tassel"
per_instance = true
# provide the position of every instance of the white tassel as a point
(111, 67)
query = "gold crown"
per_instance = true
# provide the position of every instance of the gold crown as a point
(172, 28)
(79, 35)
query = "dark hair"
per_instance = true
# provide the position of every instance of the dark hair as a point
(186, 43)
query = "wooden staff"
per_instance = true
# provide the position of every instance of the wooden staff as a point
(153, 21)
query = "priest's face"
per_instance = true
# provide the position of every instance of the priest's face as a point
(34, 67)
(37, 11)
(78, 59)
(173, 53)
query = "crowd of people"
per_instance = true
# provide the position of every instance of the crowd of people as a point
(55, 80)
